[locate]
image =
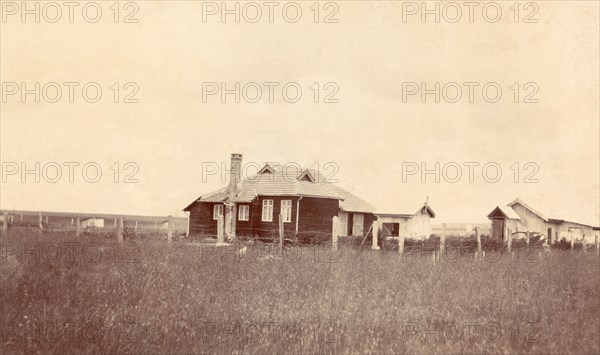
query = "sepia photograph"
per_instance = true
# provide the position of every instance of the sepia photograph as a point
(299, 177)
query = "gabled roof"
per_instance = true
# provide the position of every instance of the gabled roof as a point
(288, 181)
(505, 211)
(519, 201)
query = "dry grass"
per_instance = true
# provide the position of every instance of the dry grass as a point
(147, 297)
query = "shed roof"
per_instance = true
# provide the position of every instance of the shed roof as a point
(506, 211)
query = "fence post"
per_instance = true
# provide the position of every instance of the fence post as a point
(509, 240)
(572, 240)
(115, 223)
(597, 245)
(120, 230)
(78, 230)
(5, 223)
(375, 227)
(528, 236)
(136, 226)
(220, 238)
(478, 241)
(443, 239)
(40, 221)
(400, 244)
(334, 233)
(46, 219)
(281, 234)
(169, 228)
(21, 217)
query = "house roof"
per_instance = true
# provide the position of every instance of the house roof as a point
(552, 214)
(289, 181)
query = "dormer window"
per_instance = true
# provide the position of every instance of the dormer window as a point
(306, 176)
(266, 169)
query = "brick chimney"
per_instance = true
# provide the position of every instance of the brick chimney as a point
(236, 173)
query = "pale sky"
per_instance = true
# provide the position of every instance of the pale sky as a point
(369, 133)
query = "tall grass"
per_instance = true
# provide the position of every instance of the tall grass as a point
(89, 295)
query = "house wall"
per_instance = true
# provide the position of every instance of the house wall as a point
(579, 232)
(260, 228)
(416, 226)
(529, 220)
(316, 216)
(201, 220)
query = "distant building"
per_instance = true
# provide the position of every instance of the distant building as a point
(92, 222)
(518, 216)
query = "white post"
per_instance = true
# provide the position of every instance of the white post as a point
(78, 230)
(41, 224)
(220, 237)
(400, 244)
(443, 239)
(528, 236)
(509, 240)
(281, 234)
(334, 233)
(572, 239)
(374, 245)
(597, 245)
(5, 223)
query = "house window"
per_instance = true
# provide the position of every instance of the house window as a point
(217, 211)
(286, 210)
(267, 211)
(243, 212)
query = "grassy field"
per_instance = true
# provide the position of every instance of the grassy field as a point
(90, 295)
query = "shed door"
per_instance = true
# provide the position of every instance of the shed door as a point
(498, 228)
(343, 220)
(357, 227)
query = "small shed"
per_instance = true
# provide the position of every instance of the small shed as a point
(409, 223)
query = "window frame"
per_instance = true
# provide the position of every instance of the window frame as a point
(247, 215)
(270, 210)
(287, 218)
